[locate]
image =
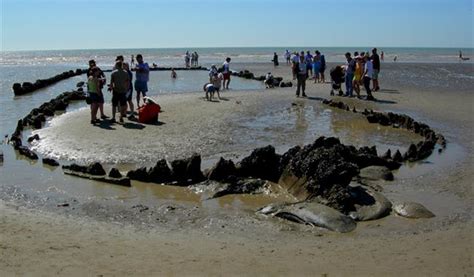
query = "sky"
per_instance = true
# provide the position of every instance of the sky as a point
(107, 24)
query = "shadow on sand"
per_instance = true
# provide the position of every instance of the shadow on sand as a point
(361, 99)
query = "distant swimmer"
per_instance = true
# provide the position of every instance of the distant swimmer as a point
(395, 58)
(461, 58)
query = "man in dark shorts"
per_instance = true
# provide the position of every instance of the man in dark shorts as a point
(226, 72)
(376, 63)
(142, 71)
(119, 85)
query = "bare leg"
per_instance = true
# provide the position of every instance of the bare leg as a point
(114, 109)
(138, 99)
(123, 112)
(94, 108)
(101, 108)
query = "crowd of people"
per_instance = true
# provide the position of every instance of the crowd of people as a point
(120, 86)
(358, 71)
(191, 59)
(218, 78)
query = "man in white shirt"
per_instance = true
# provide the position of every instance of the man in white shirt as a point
(368, 72)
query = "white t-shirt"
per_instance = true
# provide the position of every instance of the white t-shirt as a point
(369, 67)
(226, 67)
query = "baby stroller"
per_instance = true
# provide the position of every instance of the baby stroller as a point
(337, 78)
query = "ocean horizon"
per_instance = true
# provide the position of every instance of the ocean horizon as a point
(209, 55)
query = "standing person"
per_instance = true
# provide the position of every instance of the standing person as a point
(186, 59)
(275, 59)
(359, 70)
(216, 82)
(119, 85)
(381, 56)
(212, 71)
(368, 73)
(316, 68)
(226, 72)
(294, 61)
(193, 59)
(350, 69)
(93, 88)
(288, 57)
(92, 64)
(196, 59)
(142, 72)
(323, 66)
(308, 59)
(132, 61)
(129, 94)
(302, 75)
(376, 63)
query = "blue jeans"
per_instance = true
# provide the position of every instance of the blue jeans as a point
(348, 80)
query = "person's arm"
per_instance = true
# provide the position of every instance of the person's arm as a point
(111, 84)
(128, 82)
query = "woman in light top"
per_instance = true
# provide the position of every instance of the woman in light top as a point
(93, 88)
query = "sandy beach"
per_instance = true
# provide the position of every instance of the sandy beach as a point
(184, 235)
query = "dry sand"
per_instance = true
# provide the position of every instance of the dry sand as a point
(47, 245)
(42, 243)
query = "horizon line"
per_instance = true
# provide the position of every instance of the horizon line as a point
(220, 47)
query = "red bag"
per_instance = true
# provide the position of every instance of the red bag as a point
(148, 113)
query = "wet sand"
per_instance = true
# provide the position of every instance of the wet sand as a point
(93, 239)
